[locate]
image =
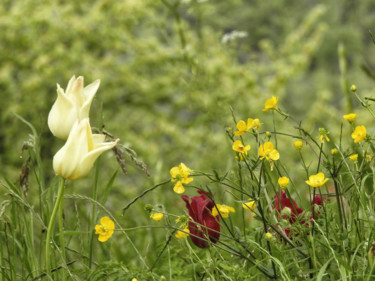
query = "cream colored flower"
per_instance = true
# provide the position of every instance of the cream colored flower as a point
(72, 104)
(76, 158)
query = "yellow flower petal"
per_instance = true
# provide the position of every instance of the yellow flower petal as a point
(157, 216)
(179, 188)
(182, 234)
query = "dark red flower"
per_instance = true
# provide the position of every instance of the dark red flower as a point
(319, 200)
(282, 201)
(203, 224)
(292, 205)
(285, 202)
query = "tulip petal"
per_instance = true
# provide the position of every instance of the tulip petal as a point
(69, 87)
(89, 159)
(89, 93)
(62, 103)
(75, 148)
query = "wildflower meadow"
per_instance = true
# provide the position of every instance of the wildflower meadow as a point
(187, 140)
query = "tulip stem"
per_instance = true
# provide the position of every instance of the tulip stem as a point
(51, 225)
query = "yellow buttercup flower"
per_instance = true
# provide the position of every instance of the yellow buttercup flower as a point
(270, 103)
(182, 234)
(253, 123)
(269, 236)
(350, 117)
(223, 209)
(243, 127)
(316, 180)
(181, 175)
(283, 182)
(157, 216)
(105, 229)
(250, 206)
(334, 151)
(298, 144)
(239, 147)
(353, 157)
(359, 134)
(267, 151)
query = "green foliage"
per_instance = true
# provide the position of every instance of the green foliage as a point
(171, 74)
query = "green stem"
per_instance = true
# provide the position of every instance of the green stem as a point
(51, 225)
(61, 238)
(93, 213)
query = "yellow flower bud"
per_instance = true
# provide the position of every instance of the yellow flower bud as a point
(350, 117)
(334, 151)
(71, 105)
(76, 158)
(269, 236)
(157, 216)
(353, 157)
(283, 182)
(353, 88)
(298, 144)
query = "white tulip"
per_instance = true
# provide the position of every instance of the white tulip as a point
(76, 158)
(71, 105)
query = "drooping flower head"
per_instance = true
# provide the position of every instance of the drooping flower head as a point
(270, 104)
(359, 134)
(267, 151)
(180, 175)
(76, 158)
(316, 180)
(203, 224)
(72, 104)
(105, 229)
(239, 147)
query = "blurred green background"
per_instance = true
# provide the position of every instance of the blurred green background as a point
(172, 70)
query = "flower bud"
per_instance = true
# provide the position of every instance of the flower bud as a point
(353, 88)
(76, 158)
(286, 211)
(71, 105)
(298, 144)
(268, 236)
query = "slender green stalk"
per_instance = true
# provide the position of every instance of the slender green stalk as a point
(61, 238)
(51, 225)
(93, 211)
